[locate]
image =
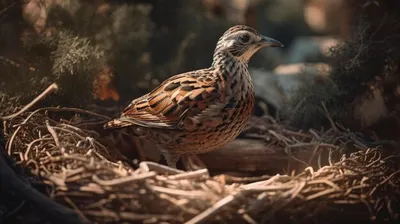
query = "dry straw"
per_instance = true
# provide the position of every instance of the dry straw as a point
(81, 174)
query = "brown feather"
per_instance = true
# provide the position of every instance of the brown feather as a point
(157, 110)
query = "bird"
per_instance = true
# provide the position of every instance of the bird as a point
(201, 110)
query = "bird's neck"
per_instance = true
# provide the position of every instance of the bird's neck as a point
(229, 64)
(234, 75)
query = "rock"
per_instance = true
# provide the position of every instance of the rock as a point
(310, 49)
(280, 85)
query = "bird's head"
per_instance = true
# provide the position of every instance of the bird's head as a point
(243, 41)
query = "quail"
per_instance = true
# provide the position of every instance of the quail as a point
(201, 110)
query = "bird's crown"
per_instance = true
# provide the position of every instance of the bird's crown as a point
(243, 41)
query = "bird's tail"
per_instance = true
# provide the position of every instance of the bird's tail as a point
(117, 123)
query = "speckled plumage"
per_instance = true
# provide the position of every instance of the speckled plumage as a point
(202, 110)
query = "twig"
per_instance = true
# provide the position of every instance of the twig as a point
(16, 209)
(129, 215)
(72, 204)
(7, 8)
(247, 217)
(49, 90)
(54, 134)
(205, 215)
(190, 194)
(329, 117)
(189, 175)
(152, 166)
(123, 180)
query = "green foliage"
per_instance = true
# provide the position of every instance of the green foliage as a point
(69, 60)
(364, 59)
(73, 54)
(142, 43)
(306, 108)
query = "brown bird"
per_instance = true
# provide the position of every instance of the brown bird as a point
(202, 110)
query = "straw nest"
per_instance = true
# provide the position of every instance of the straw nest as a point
(58, 148)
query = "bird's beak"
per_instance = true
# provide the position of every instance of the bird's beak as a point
(269, 42)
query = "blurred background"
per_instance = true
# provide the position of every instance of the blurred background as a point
(105, 53)
(109, 52)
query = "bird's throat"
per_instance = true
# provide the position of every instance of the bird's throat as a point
(234, 74)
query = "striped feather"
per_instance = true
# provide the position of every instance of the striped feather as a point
(164, 106)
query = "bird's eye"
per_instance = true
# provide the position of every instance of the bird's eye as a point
(244, 38)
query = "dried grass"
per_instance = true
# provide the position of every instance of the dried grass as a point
(82, 174)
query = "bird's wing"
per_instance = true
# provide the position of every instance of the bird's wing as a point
(168, 104)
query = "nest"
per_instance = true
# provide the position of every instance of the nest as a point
(85, 182)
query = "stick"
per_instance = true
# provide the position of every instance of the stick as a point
(211, 211)
(329, 117)
(7, 8)
(54, 134)
(49, 90)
